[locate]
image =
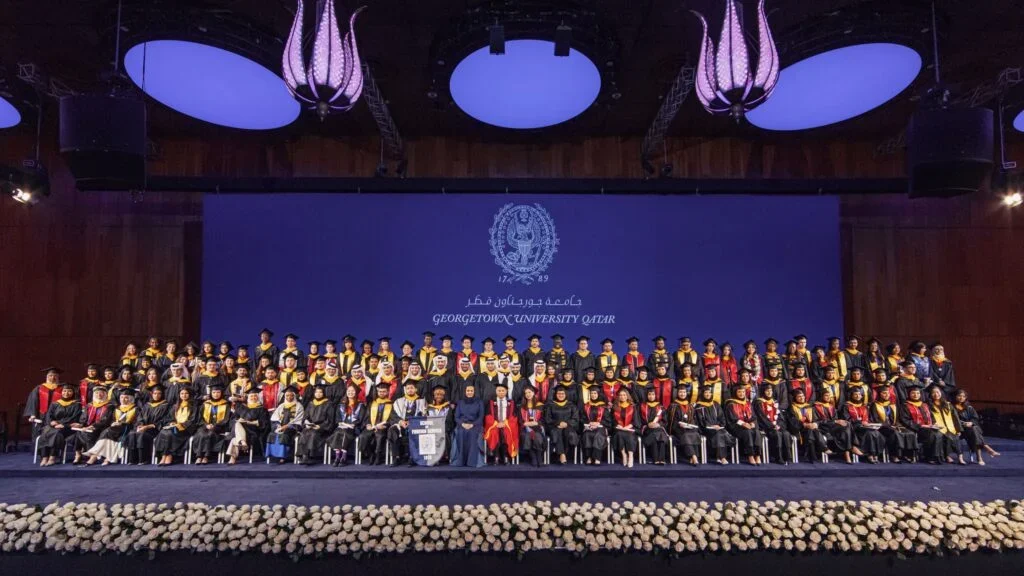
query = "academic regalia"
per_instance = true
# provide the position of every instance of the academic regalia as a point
(204, 382)
(562, 439)
(209, 442)
(683, 429)
(38, 404)
(559, 357)
(826, 415)
(917, 416)
(300, 357)
(350, 421)
(944, 415)
(639, 390)
(816, 370)
(174, 386)
(318, 424)
(892, 365)
(271, 394)
(803, 384)
(610, 391)
(855, 359)
(753, 363)
(468, 445)
(923, 364)
(501, 442)
(543, 387)
(289, 417)
(334, 388)
(121, 423)
(868, 440)
(779, 392)
(707, 414)
(303, 391)
(444, 379)
(942, 375)
(140, 444)
(900, 441)
(269, 349)
(664, 389)
(774, 358)
(251, 434)
(131, 361)
(595, 441)
(516, 384)
(469, 354)
(903, 385)
(682, 357)
(363, 386)
(970, 423)
(634, 360)
(85, 386)
(811, 439)
(380, 418)
(65, 413)
(172, 439)
(460, 380)
(532, 439)
(445, 410)
(482, 358)
(717, 390)
(771, 423)
(652, 430)
(865, 391)
(728, 371)
(405, 408)
(530, 356)
(660, 356)
(393, 383)
(580, 361)
(606, 360)
(692, 386)
(485, 385)
(837, 389)
(625, 416)
(737, 413)
(95, 416)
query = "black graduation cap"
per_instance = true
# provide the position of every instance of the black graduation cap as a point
(567, 369)
(726, 343)
(509, 337)
(348, 338)
(366, 343)
(589, 369)
(205, 342)
(656, 338)
(488, 340)
(709, 341)
(711, 365)
(291, 355)
(771, 341)
(447, 337)
(788, 342)
(879, 369)
(439, 384)
(67, 385)
(582, 338)
(632, 339)
(373, 357)
(428, 333)
(773, 363)
(291, 335)
(384, 339)
(684, 339)
(853, 337)
(704, 387)
(88, 366)
(934, 344)
(228, 344)
(832, 339)
(881, 385)
(467, 337)
(534, 337)
(607, 341)
(907, 363)
(408, 343)
(123, 368)
(302, 369)
(749, 343)
(217, 386)
(640, 369)
(267, 355)
(745, 371)
(229, 356)
(688, 363)
(799, 337)
(856, 369)
(317, 342)
(330, 342)
(557, 337)
(661, 362)
(501, 384)
(292, 389)
(268, 332)
(53, 369)
(609, 367)
(170, 341)
(816, 348)
(192, 344)
(244, 347)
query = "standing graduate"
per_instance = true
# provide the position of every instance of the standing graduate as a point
(688, 380)
(488, 353)
(426, 353)
(533, 353)
(856, 380)
(774, 379)
(710, 419)
(416, 377)
(561, 418)
(467, 352)
(874, 356)
(447, 351)
(582, 359)
(540, 380)
(152, 350)
(941, 369)
(970, 423)
(659, 354)
(313, 355)
(350, 415)
(510, 349)
(663, 385)
(108, 444)
(855, 358)
(772, 424)
(208, 378)
(741, 423)
(652, 428)
(710, 356)
(900, 441)
(249, 425)
(893, 359)
(271, 390)
(467, 442)
(224, 350)
(516, 382)
(409, 406)
(837, 357)
(573, 393)
(389, 378)
(380, 417)
(834, 386)
(836, 429)
(728, 368)
(746, 382)
(285, 423)
(440, 375)
(214, 423)
(790, 359)
(626, 418)
(55, 424)
(168, 356)
(634, 358)
(685, 354)
(332, 382)
(819, 362)
(557, 355)
(532, 439)
(243, 358)
(752, 362)
(366, 347)
(800, 382)
(946, 423)
(318, 424)
(642, 384)
(154, 414)
(923, 365)
(41, 398)
(171, 440)
(801, 348)
(589, 382)
(125, 381)
(867, 440)
(91, 380)
(130, 358)
(96, 417)
(348, 358)
(291, 348)
(463, 377)
(711, 380)
(501, 426)
(208, 351)
(597, 419)
(907, 380)
(682, 426)
(363, 385)
(440, 407)
(290, 371)
(607, 358)
(803, 424)
(488, 379)
(771, 356)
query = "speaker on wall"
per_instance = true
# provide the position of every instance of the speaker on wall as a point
(103, 140)
(949, 151)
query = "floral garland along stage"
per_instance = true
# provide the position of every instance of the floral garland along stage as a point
(684, 528)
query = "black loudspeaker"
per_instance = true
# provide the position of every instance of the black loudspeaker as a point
(949, 151)
(103, 140)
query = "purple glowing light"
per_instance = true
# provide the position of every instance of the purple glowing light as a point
(1018, 122)
(837, 85)
(527, 87)
(9, 115)
(211, 84)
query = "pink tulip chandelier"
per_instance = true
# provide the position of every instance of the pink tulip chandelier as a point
(332, 80)
(725, 83)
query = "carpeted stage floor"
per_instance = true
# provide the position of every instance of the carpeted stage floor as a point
(20, 481)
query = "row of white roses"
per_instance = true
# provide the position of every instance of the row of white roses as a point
(847, 526)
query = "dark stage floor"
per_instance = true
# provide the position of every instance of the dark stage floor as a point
(20, 481)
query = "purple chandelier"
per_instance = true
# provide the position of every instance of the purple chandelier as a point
(333, 78)
(725, 83)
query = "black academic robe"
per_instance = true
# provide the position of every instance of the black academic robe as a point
(486, 385)
(596, 440)
(350, 420)
(205, 381)
(707, 414)
(812, 440)
(172, 440)
(917, 417)
(661, 356)
(856, 359)
(559, 357)
(816, 372)
(607, 360)
(96, 417)
(771, 423)
(749, 439)
(459, 383)
(779, 391)
(271, 350)
(868, 440)
(687, 440)
(373, 442)
(970, 423)
(64, 413)
(140, 444)
(320, 423)
(444, 380)
(531, 438)
(581, 362)
(333, 389)
(840, 436)
(38, 404)
(942, 374)
(529, 357)
(562, 439)
(653, 432)
(208, 442)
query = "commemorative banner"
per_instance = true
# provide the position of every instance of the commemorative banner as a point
(427, 441)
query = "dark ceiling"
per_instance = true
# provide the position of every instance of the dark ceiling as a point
(73, 40)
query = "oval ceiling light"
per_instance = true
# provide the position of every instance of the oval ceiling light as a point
(837, 85)
(211, 84)
(526, 87)
(9, 115)
(1018, 122)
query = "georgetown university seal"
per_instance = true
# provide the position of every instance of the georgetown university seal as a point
(523, 241)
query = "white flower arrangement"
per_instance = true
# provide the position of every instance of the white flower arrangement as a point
(675, 529)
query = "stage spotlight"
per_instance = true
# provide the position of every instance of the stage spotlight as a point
(666, 170)
(497, 39)
(27, 185)
(1013, 200)
(24, 196)
(563, 40)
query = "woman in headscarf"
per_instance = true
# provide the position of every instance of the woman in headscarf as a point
(467, 442)
(214, 423)
(681, 424)
(942, 370)
(900, 441)
(318, 424)
(172, 438)
(351, 419)
(96, 417)
(711, 420)
(597, 419)
(867, 440)
(107, 446)
(771, 423)
(803, 424)
(742, 424)
(652, 428)
(970, 424)
(285, 423)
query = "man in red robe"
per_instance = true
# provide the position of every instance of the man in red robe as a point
(501, 426)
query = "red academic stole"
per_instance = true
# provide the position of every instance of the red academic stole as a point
(663, 389)
(650, 415)
(392, 386)
(534, 414)
(472, 358)
(360, 388)
(83, 390)
(824, 412)
(742, 410)
(511, 429)
(801, 384)
(610, 392)
(47, 397)
(96, 413)
(634, 360)
(543, 386)
(857, 413)
(269, 395)
(706, 359)
(920, 414)
(595, 412)
(728, 371)
(623, 415)
(771, 410)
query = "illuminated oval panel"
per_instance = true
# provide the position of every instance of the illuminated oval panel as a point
(211, 84)
(526, 87)
(837, 85)
(9, 115)
(1018, 122)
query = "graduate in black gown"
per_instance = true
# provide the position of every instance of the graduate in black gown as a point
(96, 417)
(350, 419)
(772, 424)
(206, 379)
(56, 429)
(970, 423)
(249, 425)
(597, 419)
(741, 423)
(153, 416)
(830, 422)
(941, 369)
(625, 438)
(917, 416)
(710, 418)
(170, 442)
(773, 378)
(467, 441)
(947, 424)
(487, 379)
(561, 419)
(461, 378)
(582, 359)
(868, 441)
(533, 353)
(652, 428)
(209, 439)
(319, 424)
(682, 426)
(900, 441)
(803, 424)
(41, 398)
(379, 417)
(440, 374)
(108, 444)
(532, 438)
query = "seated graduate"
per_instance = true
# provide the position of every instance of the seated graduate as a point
(150, 381)
(879, 378)
(970, 423)
(380, 416)
(56, 428)
(610, 386)
(285, 423)
(836, 430)
(107, 446)
(125, 380)
(917, 416)
(390, 377)
(214, 423)
(742, 424)
(317, 425)
(350, 415)
(718, 389)
(682, 426)
(710, 419)
(589, 381)
(900, 441)
(171, 440)
(251, 423)
(154, 414)
(439, 407)
(772, 423)
(626, 418)
(85, 385)
(773, 378)
(409, 406)
(947, 422)
(467, 442)
(532, 439)
(501, 426)
(597, 419)
(652, 427)
(746, 381)
(857, 381)
(663, 385)
(803, 423)
(640, 385)
(488, 378)
(561, 419)
(800, 381)
(271, 389)
(303, 387)
(96, 417)
(867, 440)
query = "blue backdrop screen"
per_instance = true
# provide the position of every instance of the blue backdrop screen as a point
(732, 268)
